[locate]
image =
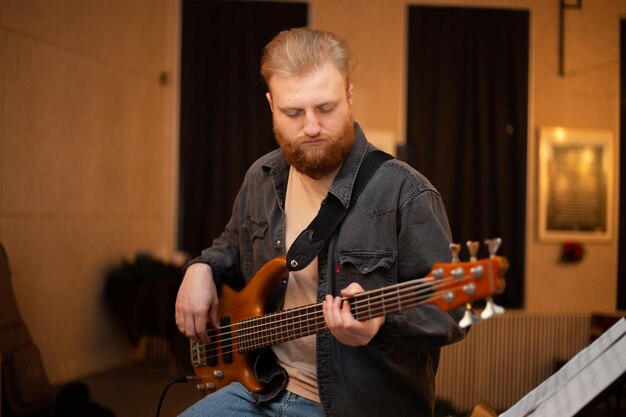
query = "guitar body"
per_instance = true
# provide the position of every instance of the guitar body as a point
(225, 364)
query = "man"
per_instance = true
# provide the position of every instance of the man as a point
(395, 232)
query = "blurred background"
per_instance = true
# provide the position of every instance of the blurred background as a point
(126, 128)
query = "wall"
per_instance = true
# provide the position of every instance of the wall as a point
(588, 96)
(88, 149)
(86, 163)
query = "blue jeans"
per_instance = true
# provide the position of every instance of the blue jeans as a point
(236, 401)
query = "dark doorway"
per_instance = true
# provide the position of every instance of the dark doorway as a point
(467, 123)
(225, 121)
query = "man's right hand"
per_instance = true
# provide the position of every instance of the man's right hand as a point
(197, 299)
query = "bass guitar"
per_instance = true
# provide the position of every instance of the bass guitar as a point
(245, 328)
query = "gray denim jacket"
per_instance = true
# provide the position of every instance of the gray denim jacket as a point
(396, 231)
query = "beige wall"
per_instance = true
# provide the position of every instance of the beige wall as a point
(88, 149)
(85, 163)
(588, 96)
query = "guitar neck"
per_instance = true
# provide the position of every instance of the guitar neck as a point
(283, 326)
(448, 286)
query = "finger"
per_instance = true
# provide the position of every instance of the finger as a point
(200, 327)
(327, 316)
(345, 309)
(180, 320)
(352, 289)
(336, 312)
(177, 320)
(213, 316)
(189, 328)
(347, 318)
(326, 307)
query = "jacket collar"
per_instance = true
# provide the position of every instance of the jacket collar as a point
(344, 181)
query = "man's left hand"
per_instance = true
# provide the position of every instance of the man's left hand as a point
(342, 323)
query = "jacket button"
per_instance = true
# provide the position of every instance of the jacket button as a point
(279, 243)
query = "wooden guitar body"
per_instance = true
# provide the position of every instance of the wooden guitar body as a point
(220, 363)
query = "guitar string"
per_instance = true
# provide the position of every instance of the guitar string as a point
(287, 316)
(317, 325)
(377, 306)
(260, 342)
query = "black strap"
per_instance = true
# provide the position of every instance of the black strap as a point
(309, 243)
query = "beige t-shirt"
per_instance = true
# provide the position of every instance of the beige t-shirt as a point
(302, 203)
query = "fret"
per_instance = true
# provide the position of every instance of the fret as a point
(313, 319)
(265, 336)
(289, 327)
(308, 313)
(271, 336)
(283, 324)
(243, 335)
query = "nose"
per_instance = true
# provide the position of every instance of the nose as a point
(311, 125)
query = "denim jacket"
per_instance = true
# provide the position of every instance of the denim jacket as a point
(395, 232)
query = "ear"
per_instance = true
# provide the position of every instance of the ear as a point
(268, 96)
(350, 92)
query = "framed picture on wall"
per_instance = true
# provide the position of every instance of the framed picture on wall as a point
(575, 184)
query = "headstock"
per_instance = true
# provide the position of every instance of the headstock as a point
(460, 283)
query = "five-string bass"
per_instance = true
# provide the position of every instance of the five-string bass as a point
(245, 328)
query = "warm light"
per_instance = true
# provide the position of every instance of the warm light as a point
(587, 162)
(587, 157)
(559, 134)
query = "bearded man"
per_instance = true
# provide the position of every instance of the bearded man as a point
(395, 232)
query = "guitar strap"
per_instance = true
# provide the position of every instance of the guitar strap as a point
(310, 241)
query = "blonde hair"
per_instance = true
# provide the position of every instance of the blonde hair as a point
(301, 51)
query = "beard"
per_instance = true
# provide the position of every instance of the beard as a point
(318, 163)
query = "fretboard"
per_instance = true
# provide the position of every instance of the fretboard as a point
(283, 326)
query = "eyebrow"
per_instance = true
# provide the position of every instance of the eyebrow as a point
(327, 103)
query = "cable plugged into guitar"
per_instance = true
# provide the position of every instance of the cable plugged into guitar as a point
(178, 380)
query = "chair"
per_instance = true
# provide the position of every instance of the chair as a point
(25, 386)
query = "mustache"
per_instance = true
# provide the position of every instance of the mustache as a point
(305, 138)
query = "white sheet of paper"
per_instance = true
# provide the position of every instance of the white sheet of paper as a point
(580, 380)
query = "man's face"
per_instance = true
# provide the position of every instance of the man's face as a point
(312, 119)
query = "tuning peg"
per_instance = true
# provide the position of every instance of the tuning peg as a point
(469, 317)
(491, 310)
(472, 247)
(455, 248)
(493, 245)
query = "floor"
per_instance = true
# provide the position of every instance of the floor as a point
(134, 391)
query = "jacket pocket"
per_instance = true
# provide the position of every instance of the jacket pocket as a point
(370, 269)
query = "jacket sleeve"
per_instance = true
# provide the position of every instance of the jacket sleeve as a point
(423, 240)
(223, 255)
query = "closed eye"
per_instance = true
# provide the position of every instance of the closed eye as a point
(293, 113)
(326, 109)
